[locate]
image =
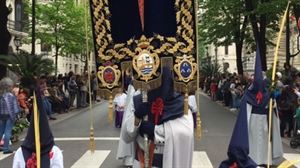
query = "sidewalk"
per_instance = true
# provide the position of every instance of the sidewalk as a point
(285, 140)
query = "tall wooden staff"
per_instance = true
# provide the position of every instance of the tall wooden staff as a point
(146, 139)
(92, 145)
(198, 129)
(37, 132)
(273, 82)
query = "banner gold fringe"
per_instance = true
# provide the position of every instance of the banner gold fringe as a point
(110, 109)
(273, 78)
(92, 141)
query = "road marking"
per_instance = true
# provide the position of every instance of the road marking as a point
(3, 156)
(292, 157)
(91, 160)
(201, 160)
(87, 139)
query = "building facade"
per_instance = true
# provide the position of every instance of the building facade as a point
(226, 55)
(19, 29)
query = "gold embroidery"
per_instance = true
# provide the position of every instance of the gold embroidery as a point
(146, 65)
(115, 76)
(182, 43)
(185, 61)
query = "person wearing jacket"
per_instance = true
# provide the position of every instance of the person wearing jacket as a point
(8, 112)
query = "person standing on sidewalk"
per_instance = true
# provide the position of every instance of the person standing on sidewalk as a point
(78, 91)
(8, 111)
(297, 116)
(213, 89)
(94, 86)
(72, 88)
(45, 97)
(83, 91)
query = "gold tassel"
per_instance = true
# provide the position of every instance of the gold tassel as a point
(92, 140)
(186, 103)
(199, 128)
(110, 109)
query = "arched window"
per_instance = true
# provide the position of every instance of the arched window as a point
(18, 15)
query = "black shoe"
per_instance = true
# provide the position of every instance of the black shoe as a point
(52, 118)
(8, 152)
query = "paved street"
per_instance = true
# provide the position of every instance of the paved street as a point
(72, 133)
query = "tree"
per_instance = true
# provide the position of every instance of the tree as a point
(27, 65)
(223, 23)
(243, 22)
(60, 24)
(264, 17)
(4, 34)
(210, 69)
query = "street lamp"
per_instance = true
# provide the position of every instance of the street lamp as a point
(17, 41)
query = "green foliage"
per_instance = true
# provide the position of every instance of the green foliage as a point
(18, 128)
(201, 49)
(222, 19)
(61, 24)
(223, 23)
(27, 65)
(210, 69)
(219, 21)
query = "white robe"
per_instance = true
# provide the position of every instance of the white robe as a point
(55, 162)
(120, 101)
(178, 137)
(179, 142)
(126, 150)
(192, 103)
(258, 137)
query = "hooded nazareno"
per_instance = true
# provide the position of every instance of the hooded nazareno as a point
(46, 137)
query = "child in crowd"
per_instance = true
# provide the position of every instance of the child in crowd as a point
(119, 102)
(213, 89)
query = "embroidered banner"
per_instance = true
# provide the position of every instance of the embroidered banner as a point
(144, 35)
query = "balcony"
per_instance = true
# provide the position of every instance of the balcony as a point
(18, 28)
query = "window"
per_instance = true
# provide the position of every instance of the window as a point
(226, 50)
(18, 15)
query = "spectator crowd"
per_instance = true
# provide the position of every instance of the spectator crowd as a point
(60, 94)
(229, 89)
